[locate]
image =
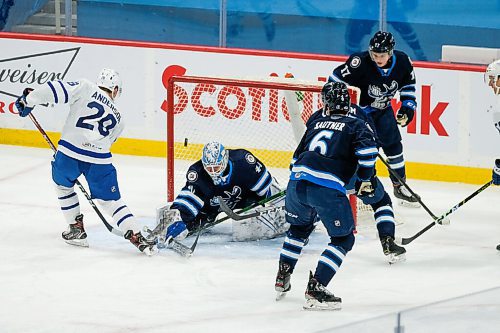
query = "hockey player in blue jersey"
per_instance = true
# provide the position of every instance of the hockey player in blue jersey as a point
(92, 125)
(334, 147)
(240, 179)
(380, 73)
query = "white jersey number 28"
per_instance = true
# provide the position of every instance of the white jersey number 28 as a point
(105, 124)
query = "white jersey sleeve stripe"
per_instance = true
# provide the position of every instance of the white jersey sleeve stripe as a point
(66, 97)
(188, 205)
(260, 182)
(56, 100)
(194, 197)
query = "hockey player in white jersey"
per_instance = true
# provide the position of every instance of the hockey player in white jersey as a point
(92, 125)
(492, 79)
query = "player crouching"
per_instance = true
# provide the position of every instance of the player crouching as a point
(237, 177)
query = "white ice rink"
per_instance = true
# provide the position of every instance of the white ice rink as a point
(49, 286)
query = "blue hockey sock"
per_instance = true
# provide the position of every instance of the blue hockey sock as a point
(329, 263)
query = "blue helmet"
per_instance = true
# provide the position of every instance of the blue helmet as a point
(215, 158)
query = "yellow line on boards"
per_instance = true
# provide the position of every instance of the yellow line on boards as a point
(271, 158)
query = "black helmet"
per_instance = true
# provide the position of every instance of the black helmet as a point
(335, 97)
(382, 42)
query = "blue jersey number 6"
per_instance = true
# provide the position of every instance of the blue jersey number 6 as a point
(318, 143)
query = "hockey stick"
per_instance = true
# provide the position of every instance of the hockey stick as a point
(405, 241)
(200, 230)
(175, 245)
(108, 226)
(238, 217)
(243, 210)
(398, 177)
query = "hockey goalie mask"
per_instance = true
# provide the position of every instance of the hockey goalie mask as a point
(109, 79)
(492, 76)
(215, 158)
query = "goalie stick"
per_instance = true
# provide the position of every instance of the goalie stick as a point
(405, 241)
(243, 210)
(176, 246)
(200, 229)
(238, 217)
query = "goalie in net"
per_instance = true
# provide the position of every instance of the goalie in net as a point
(238, 178)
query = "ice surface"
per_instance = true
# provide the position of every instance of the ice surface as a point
(49, 286)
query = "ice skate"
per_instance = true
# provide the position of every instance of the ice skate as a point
(76, 235)
(320, 298)
(394, 252)
(282, 285)
(144, 245)
(405, 197)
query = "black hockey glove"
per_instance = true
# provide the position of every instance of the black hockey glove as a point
(365, 188)
(21, 104)
(406, 112)
(496, 172)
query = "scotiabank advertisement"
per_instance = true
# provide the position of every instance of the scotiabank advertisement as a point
(453, 124)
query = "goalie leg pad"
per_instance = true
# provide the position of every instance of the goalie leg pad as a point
(268, 225)
(165, 216)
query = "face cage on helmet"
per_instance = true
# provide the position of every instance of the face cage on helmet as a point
(216, 169)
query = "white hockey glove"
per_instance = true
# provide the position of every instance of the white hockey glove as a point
(365, 187)
(443, 221)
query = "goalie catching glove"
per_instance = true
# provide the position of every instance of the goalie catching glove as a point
(22, 105)
(406, 113)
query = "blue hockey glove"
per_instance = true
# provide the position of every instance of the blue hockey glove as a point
(177, 231)
(406, 112)
(21, 103)
(365, 188)
(496, 172)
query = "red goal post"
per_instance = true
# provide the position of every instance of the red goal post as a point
(255, 114)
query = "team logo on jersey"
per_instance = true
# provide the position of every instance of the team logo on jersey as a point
(250, 158)
(382, 95)
(355, 62)
(192, 176)
(230, 198)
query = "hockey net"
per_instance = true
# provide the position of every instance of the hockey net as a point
(258, 115)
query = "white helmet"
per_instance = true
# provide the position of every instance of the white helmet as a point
(492, 76)
(215, 158)
(109, 79)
